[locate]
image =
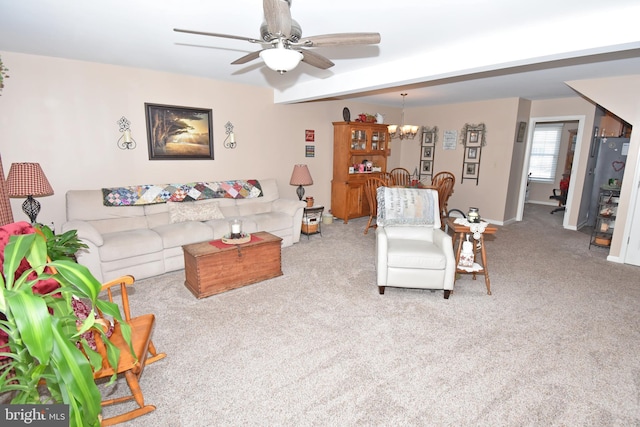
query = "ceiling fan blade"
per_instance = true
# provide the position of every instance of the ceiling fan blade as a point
(315, 60)
(249, 57)
(226, 36)
(278, 17)
(340, 39)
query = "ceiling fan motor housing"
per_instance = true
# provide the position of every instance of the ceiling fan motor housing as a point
(296, 33)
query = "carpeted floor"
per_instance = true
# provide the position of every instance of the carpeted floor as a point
(556, 344)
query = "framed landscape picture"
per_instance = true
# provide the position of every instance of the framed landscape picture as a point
(179, 133)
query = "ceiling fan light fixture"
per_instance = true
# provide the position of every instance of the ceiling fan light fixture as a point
(281, 59)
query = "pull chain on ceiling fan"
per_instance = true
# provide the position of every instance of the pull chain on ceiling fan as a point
(284, 46)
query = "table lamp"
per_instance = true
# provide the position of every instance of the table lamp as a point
(28, 180)
(300, 177)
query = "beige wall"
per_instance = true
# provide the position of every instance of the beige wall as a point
(501, 163)
(517, 162)
(63, 114)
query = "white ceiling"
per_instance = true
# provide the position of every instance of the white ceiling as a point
(438, 51)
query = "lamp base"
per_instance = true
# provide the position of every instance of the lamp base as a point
(300, 191)
(31, 207)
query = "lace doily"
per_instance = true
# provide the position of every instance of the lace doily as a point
(476, 228)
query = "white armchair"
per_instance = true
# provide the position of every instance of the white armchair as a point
(411, 249)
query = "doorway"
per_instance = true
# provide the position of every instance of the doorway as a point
(576, 125)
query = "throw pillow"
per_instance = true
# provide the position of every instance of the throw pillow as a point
(194, 211)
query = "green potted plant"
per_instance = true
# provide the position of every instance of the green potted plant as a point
(47, 358)
(61, 246)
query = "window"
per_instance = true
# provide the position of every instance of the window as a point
(544, 152)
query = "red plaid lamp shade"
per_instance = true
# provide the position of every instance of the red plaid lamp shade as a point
(28, 180)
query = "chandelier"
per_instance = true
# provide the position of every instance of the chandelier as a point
(403, 131)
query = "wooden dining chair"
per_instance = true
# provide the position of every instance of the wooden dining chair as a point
(387, 178)
(401, 177)
(440, 176)
(443, 182)
(129, 365)
(370, 188)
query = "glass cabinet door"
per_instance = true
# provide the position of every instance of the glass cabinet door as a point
(378, 140)
(358, 139)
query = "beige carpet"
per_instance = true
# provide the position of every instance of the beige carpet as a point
(557, 343)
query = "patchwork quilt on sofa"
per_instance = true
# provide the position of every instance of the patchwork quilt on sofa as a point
(149, 194)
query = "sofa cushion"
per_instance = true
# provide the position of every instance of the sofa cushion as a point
(127, 244)
(270, 221)
(246, 209)
(119, 224)
(194, 211)
(183, 233)
(86, 205)
(220, 227)
(157, 214)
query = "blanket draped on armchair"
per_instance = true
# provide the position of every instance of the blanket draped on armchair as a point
(406, 206)
(150, 194)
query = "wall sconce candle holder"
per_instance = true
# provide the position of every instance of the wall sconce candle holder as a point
(126, 141)
(230, 140)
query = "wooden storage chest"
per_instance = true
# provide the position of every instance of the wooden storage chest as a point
(212, 268)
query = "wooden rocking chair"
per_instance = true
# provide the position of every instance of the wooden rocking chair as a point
(128, 365)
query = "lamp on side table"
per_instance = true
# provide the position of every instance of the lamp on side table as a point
(28, 180)
(301, 177)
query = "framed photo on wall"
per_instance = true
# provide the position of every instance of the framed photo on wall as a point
(473, 138)
(428, 138)
(427, 153)
(471, 153)
(425, 167)
(179, 133)
(470, 170)
(473, 135)
(522, 128)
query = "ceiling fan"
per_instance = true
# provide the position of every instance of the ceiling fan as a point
(284, 46)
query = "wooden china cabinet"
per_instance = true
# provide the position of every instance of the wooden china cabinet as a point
(356, 144)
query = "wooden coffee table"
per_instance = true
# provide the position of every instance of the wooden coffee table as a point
(214, 267)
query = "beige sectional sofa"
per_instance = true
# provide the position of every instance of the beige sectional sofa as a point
(146, 241)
